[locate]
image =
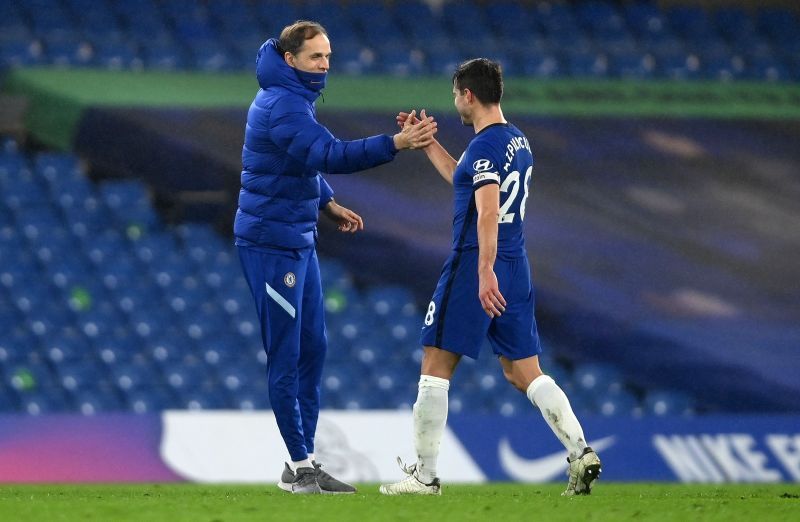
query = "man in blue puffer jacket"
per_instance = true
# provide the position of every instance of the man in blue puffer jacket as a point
(285, 151)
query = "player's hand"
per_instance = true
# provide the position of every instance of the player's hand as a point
(415, 135)
(403, 116)
(345, 219)
(492, 301)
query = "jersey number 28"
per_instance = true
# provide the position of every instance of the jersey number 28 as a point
(512, 183)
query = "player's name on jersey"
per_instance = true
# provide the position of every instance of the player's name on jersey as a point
(516, 143)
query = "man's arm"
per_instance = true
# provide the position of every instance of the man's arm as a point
(346, 220)
(307, 141)
(441, 159)
(487, 202)
(444, 163)
(325, 192)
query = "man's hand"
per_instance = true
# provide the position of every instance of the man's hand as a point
(492, 301)
(345, 219)
(415, 135)
(403, 116)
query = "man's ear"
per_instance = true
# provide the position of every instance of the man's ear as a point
(289, 57)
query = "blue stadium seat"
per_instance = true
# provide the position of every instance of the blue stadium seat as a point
(632, 65)
(199, 400)
(691, 22)
(664, 403)
(70, 52)
(247, 328)
(544, 65)
(765, 67)
(24, 193)
(390, 301)
(13, 167)
(250, 400)
(779, 24)
(68, 350)
(733, 23)
(42, 401)
(373, 20)
(184, 375)
(678, 65)
(213, 57)
(168, 350)
(22, 53)
(514, 404)
(509, 17)
(134, 295)
(235, 301)
(164, 56)
(646, 20)
(621, 403)
(85, 215)
(153, 245)
(80, 375)
(16, 347)
(117, 55)
(117, 350)
(132, 375)
(28, 376)
(597, 378)
(148, 400)
(240, 376)
(221, 350)
(722, 64)
(587, 64)
(91, 402)
(8, 400)
(420, 23)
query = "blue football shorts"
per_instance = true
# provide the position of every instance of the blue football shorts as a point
(456, 322)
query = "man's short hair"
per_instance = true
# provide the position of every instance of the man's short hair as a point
(481, 76)
(295, 35)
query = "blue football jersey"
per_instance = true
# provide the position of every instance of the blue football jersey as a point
(500, 154)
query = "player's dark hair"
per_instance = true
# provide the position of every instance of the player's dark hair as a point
(294, 36)
(481, 76)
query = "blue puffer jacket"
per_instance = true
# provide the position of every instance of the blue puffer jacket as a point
(285, 149)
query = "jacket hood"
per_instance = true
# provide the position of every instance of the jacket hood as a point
(272, 70)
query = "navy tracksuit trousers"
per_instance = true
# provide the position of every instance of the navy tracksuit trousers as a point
(287, 289)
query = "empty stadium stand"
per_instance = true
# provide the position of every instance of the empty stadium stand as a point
(591, 39)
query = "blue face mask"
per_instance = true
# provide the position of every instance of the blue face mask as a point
(314, 81)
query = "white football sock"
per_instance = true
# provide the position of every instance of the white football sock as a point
(311, 457)
(546, 395)
(300, 464)
(430, 416)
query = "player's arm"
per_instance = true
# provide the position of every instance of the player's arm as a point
(487, 202)
(444, 163)
(441, 159)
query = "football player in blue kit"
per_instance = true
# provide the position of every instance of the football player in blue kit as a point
(485, 288)
(285, 153)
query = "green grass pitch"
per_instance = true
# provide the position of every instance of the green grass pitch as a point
(490, 502)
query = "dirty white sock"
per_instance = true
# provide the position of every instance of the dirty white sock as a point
(430, 416)
(546, 395)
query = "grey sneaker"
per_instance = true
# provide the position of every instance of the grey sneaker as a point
(305, 482)
(287, 477)
(582, 473)
(327, 484)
